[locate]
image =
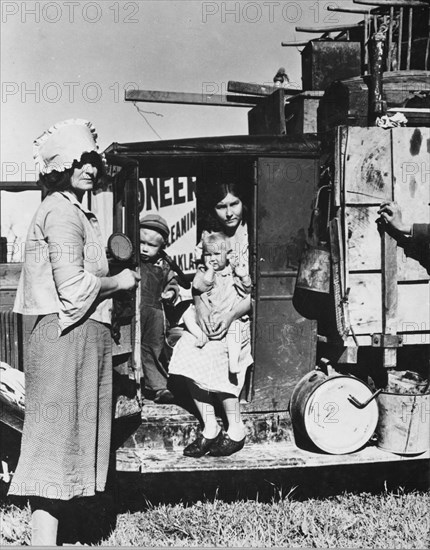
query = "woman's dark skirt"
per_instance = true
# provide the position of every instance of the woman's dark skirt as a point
(68, 412)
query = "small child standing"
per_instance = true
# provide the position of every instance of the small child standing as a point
(158, 285)
(221, 284)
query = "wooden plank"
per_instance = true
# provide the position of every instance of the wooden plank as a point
(338, 290)
(258, 89)
(413, 308)
(363, 245)
(388, 3)
(365, 306)
(295, 44)
(368, 175)
(389, 295)
(364, 250)
(331, 28)
(267, 456)
(19, 186)
(182, 98)
(9, 275)
(250, 88)
(411, 173)
(347, 9)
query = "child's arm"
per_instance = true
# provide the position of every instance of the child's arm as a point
(171, 288)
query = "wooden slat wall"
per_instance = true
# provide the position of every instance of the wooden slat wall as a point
(384, 165)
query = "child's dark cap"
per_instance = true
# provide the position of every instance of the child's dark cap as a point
(155, 222)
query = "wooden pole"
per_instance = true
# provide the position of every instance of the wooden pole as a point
(137, 357)
(408, 59)
(390, 38)
(426, 62)
(399, 39)
(366, 44)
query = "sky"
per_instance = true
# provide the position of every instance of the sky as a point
(73, 59)
(65, 59)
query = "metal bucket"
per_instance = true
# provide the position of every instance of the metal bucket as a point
(337, 413)
(404, 423)
(314, 270)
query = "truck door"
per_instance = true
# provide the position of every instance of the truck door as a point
(117, 209)
(284, 342)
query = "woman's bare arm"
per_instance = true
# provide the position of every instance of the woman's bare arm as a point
(125, 280)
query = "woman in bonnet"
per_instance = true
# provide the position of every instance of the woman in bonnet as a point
(64, 282)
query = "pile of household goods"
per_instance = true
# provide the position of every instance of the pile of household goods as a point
(12, 386)
(404, 414)
(339, 413)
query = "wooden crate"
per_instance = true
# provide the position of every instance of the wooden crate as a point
(382, 293)
(324, 61)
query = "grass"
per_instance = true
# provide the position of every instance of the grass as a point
(388, 520)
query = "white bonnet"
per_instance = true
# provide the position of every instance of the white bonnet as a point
(59, 146)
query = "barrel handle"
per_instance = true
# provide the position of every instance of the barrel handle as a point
(359, 405)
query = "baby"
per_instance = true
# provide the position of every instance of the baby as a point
(222, 282)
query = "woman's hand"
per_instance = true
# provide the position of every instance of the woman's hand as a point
(204, 318)
(220, 323)
(391, 213)
(127, 280)
(168, 296)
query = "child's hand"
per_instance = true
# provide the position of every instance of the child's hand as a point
(209, 274)
(241, 270)
(233, 258)
(168, 296)
(202, 340)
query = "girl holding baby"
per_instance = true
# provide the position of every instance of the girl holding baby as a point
(215, 351)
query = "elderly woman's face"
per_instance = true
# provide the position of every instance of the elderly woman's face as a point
(83, 178)
(229, 211)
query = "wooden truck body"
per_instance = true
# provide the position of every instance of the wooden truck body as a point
(375, 311)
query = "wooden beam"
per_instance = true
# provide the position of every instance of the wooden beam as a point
(388, 3)
(250, 88)
(333, 28)
(348, 9)
(184, 98)
(19, 186)
(303, 43)
(257, 89)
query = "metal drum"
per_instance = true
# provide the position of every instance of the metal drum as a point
(337, 413)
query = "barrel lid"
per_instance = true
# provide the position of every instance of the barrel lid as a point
(333, 422)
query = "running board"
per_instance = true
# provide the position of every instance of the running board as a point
(268, 456)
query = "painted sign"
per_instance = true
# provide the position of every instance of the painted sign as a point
(174, 199)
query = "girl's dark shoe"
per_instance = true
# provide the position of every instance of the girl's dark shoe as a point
(164, 397)
(201, 445)
(226, 446)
